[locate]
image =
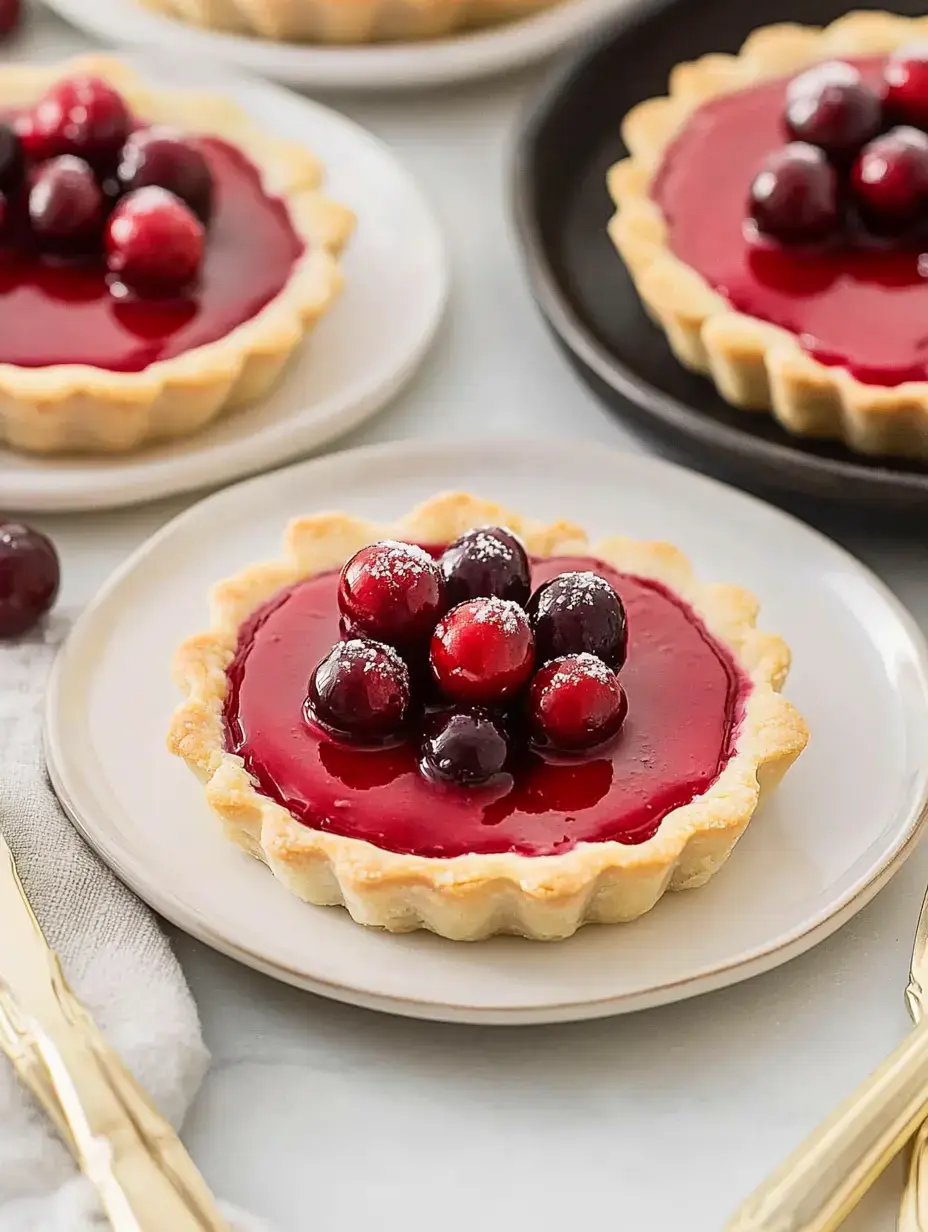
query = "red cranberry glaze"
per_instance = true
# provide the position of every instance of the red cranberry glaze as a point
(29, 577)
(890, 181)
(393, 591)
(154, 242)
(576, 703)
(794, 196)
(361, 689)
(907, 85)
(483, 652)
(168, 159)
(831, 106)
(685, 699)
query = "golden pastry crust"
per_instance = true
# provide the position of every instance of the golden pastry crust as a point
(756, 366)
(348, 21)
(469, 897)
(80, 409)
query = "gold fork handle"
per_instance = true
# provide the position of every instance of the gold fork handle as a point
(913, 1211)
(821, 1182)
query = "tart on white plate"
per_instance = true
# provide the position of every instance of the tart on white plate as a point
(472, 723)
(161, 258)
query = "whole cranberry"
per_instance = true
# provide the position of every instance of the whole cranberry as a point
(11, 12)
(486, 562)
(577, 613)
(81, 115)
(890, 181)
(906, 77)
(360, 689)
(392, 591)
(29, 577)
(482, 652)
(794, 196)
(466, 747)
(12, 160)
(576, 703)
(154, 243)
(65, 205)
(831, 106)
(167, 159)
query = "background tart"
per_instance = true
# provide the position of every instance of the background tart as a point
(541, 891)
(758, 364)
(83, 382)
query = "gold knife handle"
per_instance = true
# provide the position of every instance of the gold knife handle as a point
(821, 1182)
(913, 1210)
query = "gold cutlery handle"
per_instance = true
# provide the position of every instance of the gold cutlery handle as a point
(913, 1211)
(824, 1179)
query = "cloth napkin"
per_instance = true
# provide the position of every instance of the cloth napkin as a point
(115, 956)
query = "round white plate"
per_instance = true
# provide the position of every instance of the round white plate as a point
(839, 827)
(362, 353)
(384, 66)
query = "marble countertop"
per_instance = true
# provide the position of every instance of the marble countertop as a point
(320, 1116)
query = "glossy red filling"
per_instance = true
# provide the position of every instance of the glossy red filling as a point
(685, 696)
(860, 309)
(63, 312)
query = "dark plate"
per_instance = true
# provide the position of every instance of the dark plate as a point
(562, 208)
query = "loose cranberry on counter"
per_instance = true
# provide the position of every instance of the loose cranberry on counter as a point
(578, 613)
(466, 747)
(165, 158)
(485, 563)
(81, 115)
(831, 107)
(576, 703)
(794, 196)
(392, 591)
(890, 181)
(482, 652)
(29, 577)
(906, 77)
(154, 243)
(12, 160)
(11, 12)
(66, 205)
(360, 689)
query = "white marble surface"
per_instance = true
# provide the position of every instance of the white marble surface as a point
(320, 1116)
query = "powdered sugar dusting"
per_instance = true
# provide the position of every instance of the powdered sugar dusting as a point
(398, 564)
(502, 614)
(576, 590)
(375, 658)
(486, 546)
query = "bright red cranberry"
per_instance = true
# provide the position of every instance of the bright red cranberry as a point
(832, 107)
(576, 703)
(482, 652)
(906, 77)
(890, 181)
(66, 205)
(82, 115)
(29, 577)
(393, 591)
(360, 689)
(577, 613)
(154, 243)
(11, 12)
(485, 563)
(466, 747)
(12, 161)
(794, 196)
(165, 158)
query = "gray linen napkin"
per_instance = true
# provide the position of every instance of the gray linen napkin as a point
(115, 956)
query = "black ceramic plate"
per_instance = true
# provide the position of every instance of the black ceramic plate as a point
(562, 208)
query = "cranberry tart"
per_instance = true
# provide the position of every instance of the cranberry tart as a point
(471, 723)
(161, 258)
(773, 214)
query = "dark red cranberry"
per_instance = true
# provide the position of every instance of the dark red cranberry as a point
(467, 747)
(82, 115)
(906, 77)
(66, 205)
(29, 577)
(360, 689)
(11, 12)
(576, 703)
(832, 107)
(12, 161)
(794, 196)
(482, 652)
(154, 243)
(890, 181)
(393, 591)
(165, 158)
(484, 563)
(577, 613)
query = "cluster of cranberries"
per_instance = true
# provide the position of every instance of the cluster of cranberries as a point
(857, 160)
(29, 577)
(79, 179)
(462, 641)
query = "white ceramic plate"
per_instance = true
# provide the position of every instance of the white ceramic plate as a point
(352, 365)
(839, 827)
(387, 66)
